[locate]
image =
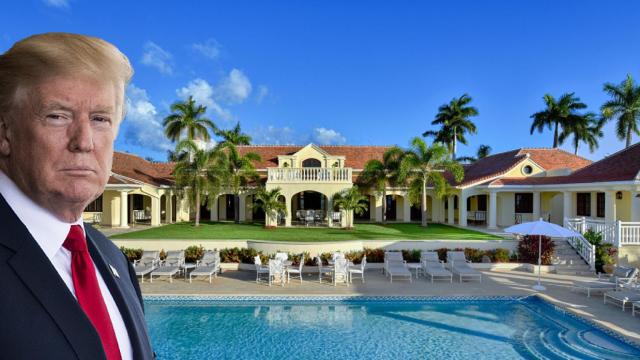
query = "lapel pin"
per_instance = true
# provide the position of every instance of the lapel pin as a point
(114, 271)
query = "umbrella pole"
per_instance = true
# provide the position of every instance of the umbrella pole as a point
(539, 286)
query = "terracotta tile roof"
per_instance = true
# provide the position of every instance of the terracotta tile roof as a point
(495, 165)
(355, 156)
(137, 168)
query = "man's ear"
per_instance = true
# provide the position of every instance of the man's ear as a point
(5, 144)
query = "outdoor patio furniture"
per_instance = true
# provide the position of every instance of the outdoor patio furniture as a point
(626, 295)
(147, 263)
(398, 268)
(322, 270)
(309, 218)
(276, 271)
(459, 266)
(358, 269)
(209, 265)
(300, 216)
(340, 271)
(171, 265)
(260, 268)
(297, 272)
(334, 256)
(433, 267)
(635, 306)
(391, 255)
(620, 276)
(282, 256)
(336, 217)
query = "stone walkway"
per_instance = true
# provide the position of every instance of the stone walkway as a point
(508, 283)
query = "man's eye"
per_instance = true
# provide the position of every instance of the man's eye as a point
(102, 119)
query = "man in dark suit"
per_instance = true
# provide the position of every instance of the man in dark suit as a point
(66, 292)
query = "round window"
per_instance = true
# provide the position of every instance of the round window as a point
(527, 170)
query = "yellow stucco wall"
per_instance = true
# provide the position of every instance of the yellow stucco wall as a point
(629, 255)
(517, 171)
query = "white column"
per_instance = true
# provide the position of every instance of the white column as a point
(493, 210)
(155, 211)
(450, 211)
(243, 207)
(124, 209)
(406, 208)
(567, 208)
(462, 205)
(287, 220)
(168, 211)
(635, 206)
(609, 205)
(378, 207)
(213, 214)
(330, 211)
(536, 206)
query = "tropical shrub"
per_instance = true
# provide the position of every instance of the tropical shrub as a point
(374, 255)
(131, 254)
(499, 255)
(528, 249)
(411, 255)
(475, 255)
(193, 253)
(605, 253)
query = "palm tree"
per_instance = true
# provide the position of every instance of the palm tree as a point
(201, 175)
(482, 152)
(454, 121)
(234, 136)
(267, 200)
(240, 171)
(625, 105)
(426, 165)
(586, 128)
(188, 117)
(379, 174)
(557, 114)
(351, 201)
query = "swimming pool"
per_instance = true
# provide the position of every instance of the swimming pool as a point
(374, 328)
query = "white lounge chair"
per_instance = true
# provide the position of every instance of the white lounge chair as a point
(434, 267)
(358, 269)
(627, 295)
(341, 271)
(621, 276)
(172, 265)
(322, 270)
(260, 268)
(276, 271)
(208, 266)
(147, 263)
(297, 272)
(635, 306)
(398, 268)
(459, 266)
(391, 256)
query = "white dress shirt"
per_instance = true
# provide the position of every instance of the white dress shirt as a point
(50, 233)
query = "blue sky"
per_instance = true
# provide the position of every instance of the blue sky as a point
(361, 73)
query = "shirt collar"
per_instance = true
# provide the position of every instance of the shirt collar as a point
(48, 231)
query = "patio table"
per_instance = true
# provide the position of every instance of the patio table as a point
(186, 266)
(416, 267)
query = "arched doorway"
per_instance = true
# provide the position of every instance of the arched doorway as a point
(311, 163)
(307, 204)
(257, 213)
(366, 214)
(139, 208)
(392, 212)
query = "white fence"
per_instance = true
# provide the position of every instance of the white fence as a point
(584, 248)
(618, 233)
(325, 175)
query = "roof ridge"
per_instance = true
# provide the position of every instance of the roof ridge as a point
(555, 149)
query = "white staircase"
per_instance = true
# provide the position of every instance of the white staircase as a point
(567, 261)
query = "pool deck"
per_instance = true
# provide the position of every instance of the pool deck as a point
(494, 283)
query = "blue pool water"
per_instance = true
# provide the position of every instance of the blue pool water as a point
(368, 328)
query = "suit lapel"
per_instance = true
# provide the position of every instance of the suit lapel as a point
(37, 273)
(128, 305)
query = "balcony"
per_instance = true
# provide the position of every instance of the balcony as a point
(309, 175)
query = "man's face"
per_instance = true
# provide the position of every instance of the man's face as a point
(61, 141)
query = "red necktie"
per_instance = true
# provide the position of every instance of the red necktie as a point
(88, 292)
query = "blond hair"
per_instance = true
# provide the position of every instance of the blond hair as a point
(38, 57)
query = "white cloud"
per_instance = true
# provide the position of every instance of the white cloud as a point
(323, 136)
(209, 48)
(272, 135)
(157, 57)
(143, 125)
(62, 4)
(202, 93)
(234, 88)
(263, 91)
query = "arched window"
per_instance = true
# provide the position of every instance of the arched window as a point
(311, 163)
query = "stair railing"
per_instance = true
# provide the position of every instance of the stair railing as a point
(582, 246)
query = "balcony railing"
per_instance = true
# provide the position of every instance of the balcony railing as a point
(307, 175)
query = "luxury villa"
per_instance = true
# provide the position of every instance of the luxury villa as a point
(497, 191)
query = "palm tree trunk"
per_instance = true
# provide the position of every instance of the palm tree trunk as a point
(197, 206)
(576, 144)
(455, 143)
(628, 137)
(555, 136)
(424, 202)
(236, 208)
(384, 206)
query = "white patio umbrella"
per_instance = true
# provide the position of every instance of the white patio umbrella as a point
(541, 228)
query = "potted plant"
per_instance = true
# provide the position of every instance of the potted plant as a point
(605, 253)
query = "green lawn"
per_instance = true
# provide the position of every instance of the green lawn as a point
(225, 230)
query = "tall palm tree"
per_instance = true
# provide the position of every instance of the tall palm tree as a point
(200, 175)
(625, 106)
(351, 201)
(188, 117)
(482, 152)
(234, 136)
(586, 128)
(557, 114)
(455, 123)
(379, 174)
(267, 200)
(240, 171)
(427, 165)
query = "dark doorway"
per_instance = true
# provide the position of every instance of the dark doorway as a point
(230, 207)
(258, 213)
(173, 208)
(313, 163)
(310, 200)
(205, 214)
(366, 214)
(391, 207)
(416, 212)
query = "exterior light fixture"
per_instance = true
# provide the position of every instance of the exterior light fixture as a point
(619, 195)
